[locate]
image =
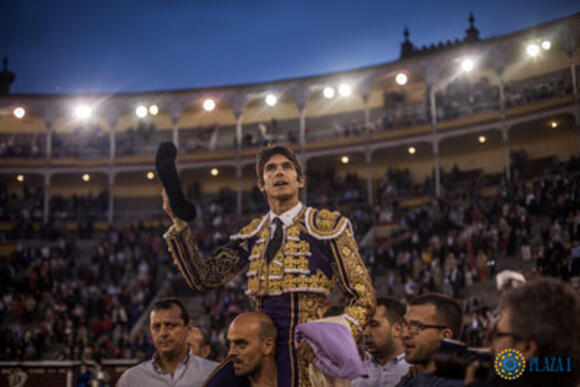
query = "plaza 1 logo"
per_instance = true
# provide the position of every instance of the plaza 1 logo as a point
(510, 364)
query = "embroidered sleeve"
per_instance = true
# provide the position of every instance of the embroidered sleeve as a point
(356, 283)
(200, 272)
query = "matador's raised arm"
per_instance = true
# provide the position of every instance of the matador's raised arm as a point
(201, 272)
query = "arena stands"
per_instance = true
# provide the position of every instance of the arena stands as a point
(446, 184)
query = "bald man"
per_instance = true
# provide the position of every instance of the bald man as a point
(252, 338)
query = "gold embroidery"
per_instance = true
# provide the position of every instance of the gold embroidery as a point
(355, 281)
(311, 306)
(325, 224)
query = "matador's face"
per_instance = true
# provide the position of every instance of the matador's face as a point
(281, 181)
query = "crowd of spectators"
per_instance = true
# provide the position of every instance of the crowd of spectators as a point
(84, 142)
(83, 304)
(68, 299)
(22, 145)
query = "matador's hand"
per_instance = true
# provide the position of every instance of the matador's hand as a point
(305, 351)
(179, 224)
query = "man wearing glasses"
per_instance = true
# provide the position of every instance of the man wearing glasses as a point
(430, 318)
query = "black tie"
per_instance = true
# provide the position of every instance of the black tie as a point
(275, 242)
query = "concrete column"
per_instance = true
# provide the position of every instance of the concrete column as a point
(48, 142)
(300, 95)
(239, 134)
(302, 133)
(238, 103)
(368, 160)
(239, 172)
(502, 102)
(432, 107)
(111, 212)
(175, 108)
(176, 135)
(506, 147)
(436, 167)
(46, 204)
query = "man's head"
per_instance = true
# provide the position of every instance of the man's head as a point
(198, 342)
(252, 338)
(540, 318)
(279, 173)
(430, 318)
(169, 327)
(382, 335)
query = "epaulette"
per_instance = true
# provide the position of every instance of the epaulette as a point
(251, 229)
(324, 224)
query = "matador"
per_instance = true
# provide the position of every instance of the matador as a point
(292, 258)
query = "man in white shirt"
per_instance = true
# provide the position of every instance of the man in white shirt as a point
(173, 364)
(383, 341)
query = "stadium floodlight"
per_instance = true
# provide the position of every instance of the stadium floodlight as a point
(214, 171)
(546, 45)
(150, 175)
(401, 79)
(554, 124)
(20, 178)
(153, 110)
(86, 177)
(271, 100)
(533, 50)
(344, 159)
(83, 112)
(209, 105)
(481, 139)
(467, 65)
(19, 112)
(344, 90)
(328, 92)
(141, 111)
(412, 150)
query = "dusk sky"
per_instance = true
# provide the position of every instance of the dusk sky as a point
(65, 46)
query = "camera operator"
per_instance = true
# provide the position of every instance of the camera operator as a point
(541, 320)
(430, 318)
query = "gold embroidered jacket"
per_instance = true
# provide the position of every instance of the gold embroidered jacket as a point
(319, 249)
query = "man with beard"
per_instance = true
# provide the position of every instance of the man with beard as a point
(383, 341)
(173, 364)
(430, 318)
(292, 257)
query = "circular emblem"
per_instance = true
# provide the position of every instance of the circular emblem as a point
(510, 364)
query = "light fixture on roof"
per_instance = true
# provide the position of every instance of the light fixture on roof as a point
(344, 159)
(19, 112)
(20, 178)
(533, 50)
(86, 177)
(412, 150)
(209, 105)
(141, 111)
(546, 44)
(150, 175)
(271, 100)
(83, 112)
(401, 79)
(467, 65)
(344, 90)
(328, 92)
(481, 139)
(214, 171)
(153, 110)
